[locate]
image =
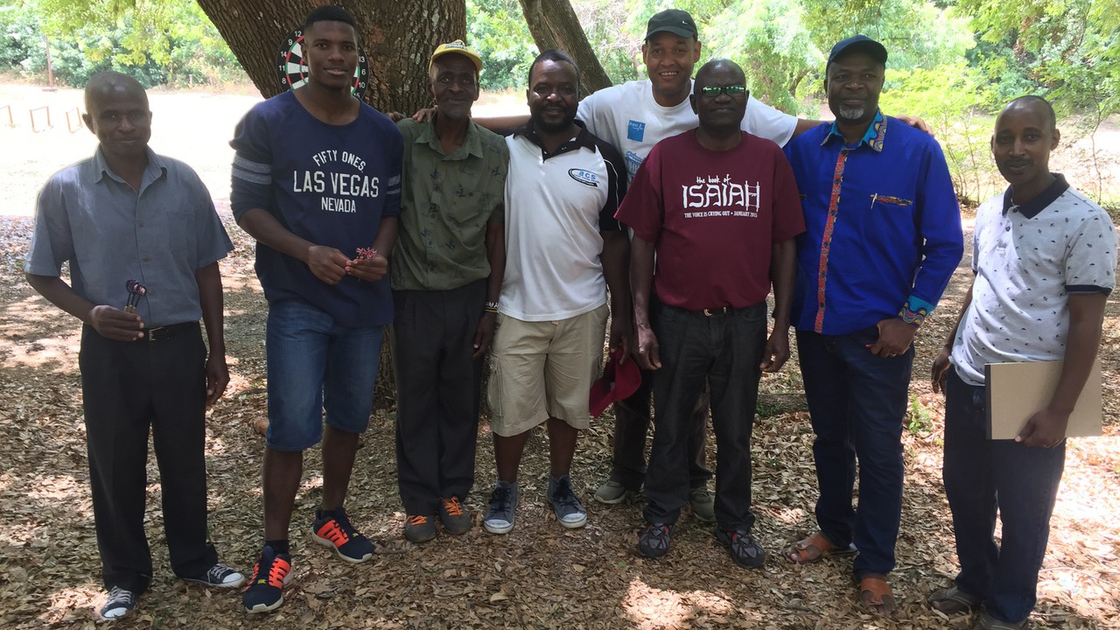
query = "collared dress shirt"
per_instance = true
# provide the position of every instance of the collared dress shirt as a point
(883, 230)
(447, 202)
(158, 236)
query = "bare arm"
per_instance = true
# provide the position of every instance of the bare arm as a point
(804, 125)
(783, 270)
(941, 364)
(1086, 316)
(209, 280)
(496, 256)
(616, 271)
(109, 322)
(327, 263)
(641, 279)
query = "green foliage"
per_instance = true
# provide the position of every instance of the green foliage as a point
(947, 98)
(1068, 48)
(171, 42)
(497, 30)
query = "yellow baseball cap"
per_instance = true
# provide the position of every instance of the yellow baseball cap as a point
(457, 47)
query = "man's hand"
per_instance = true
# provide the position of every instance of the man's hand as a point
(424, 115)
(1045, 429)
(895, 337)
(776, 353)
(939, 370)
(915, 122)
(370, 269)
(484, 335)
(327, 263)
(217, 377)
(620, 336)
(648, 355)
(113, 323)
(395, 116)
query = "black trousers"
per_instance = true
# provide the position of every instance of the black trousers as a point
(631, 426)
(129, 387)
(438, 393)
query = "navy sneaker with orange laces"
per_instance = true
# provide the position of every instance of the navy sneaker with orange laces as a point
(334, 530)
(265, 591)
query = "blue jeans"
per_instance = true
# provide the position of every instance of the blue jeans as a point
(313, 363)
(857, 401)
(724, 350)
(983, 475)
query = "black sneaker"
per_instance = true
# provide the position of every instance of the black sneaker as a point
(339, 534)
(503, 508)
(654, 541)
(455, 518)
(569, 511)
(119, 603)
(745, 550)
(265, 591)
(219, 575)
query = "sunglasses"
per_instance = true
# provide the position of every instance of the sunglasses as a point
(712, 91)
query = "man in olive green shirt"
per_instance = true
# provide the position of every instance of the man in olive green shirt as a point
(446, 275)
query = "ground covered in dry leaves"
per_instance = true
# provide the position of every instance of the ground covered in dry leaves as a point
(539, 576)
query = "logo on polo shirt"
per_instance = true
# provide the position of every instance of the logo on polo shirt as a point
(636, 131)
(586, 178)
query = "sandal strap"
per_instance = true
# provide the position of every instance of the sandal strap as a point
(877, 586)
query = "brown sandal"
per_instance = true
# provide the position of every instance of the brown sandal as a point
(877, 595)
(815, 548)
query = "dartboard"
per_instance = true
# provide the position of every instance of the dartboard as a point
(292, 71)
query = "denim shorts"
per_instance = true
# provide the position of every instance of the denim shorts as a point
(314, 363)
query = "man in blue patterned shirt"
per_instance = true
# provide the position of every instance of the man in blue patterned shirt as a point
(883, 237)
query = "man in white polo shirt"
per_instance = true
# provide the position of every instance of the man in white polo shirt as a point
(564, 250)
(1044, 257)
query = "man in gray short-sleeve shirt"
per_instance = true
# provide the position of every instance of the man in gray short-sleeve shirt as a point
(127, 214)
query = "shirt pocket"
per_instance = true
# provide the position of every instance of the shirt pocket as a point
(182, 241)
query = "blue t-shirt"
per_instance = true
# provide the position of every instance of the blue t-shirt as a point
(329, 184)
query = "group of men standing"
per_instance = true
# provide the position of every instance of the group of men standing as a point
(471, 245)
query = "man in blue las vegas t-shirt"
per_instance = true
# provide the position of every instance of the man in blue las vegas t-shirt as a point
(316, 181)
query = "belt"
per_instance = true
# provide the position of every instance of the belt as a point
(164, 333)
(719, 310)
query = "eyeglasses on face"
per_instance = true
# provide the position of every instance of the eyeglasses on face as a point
(712, 91)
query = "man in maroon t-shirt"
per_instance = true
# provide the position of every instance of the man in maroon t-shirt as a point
(720, 208)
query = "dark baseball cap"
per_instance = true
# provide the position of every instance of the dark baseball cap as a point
(862, 43)
(672, 21)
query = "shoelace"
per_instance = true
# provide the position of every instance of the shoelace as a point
(563, 494)
(453, 507)
(218, 572)
(417, 520)
(500, 499)
(118, 595)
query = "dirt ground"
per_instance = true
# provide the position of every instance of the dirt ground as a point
(539, 576)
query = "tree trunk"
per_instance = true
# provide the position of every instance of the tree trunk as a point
(398, 39)
(554, 24)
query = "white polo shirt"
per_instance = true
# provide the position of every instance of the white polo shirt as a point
(629, 118)
(556, 205)
(1028, 260)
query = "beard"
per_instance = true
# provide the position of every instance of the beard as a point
(554, 127)
(851, 113)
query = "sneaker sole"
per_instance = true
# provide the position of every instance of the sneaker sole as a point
(625, 496)
(326, 543)
(263, 608)
(574, 524)
(240, 582)
(497, 529)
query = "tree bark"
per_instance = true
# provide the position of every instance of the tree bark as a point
(398, 39)
(554, 24)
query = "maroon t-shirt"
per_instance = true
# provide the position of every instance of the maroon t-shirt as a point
(713, 216)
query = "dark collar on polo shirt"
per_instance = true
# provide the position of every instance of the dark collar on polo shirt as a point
(1039, 203)
(582, 139)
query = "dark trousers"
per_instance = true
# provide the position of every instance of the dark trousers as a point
(725, 351)
(631, 426)
(128, 387)
(438, 385)
(857, 401)
(983, 475)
